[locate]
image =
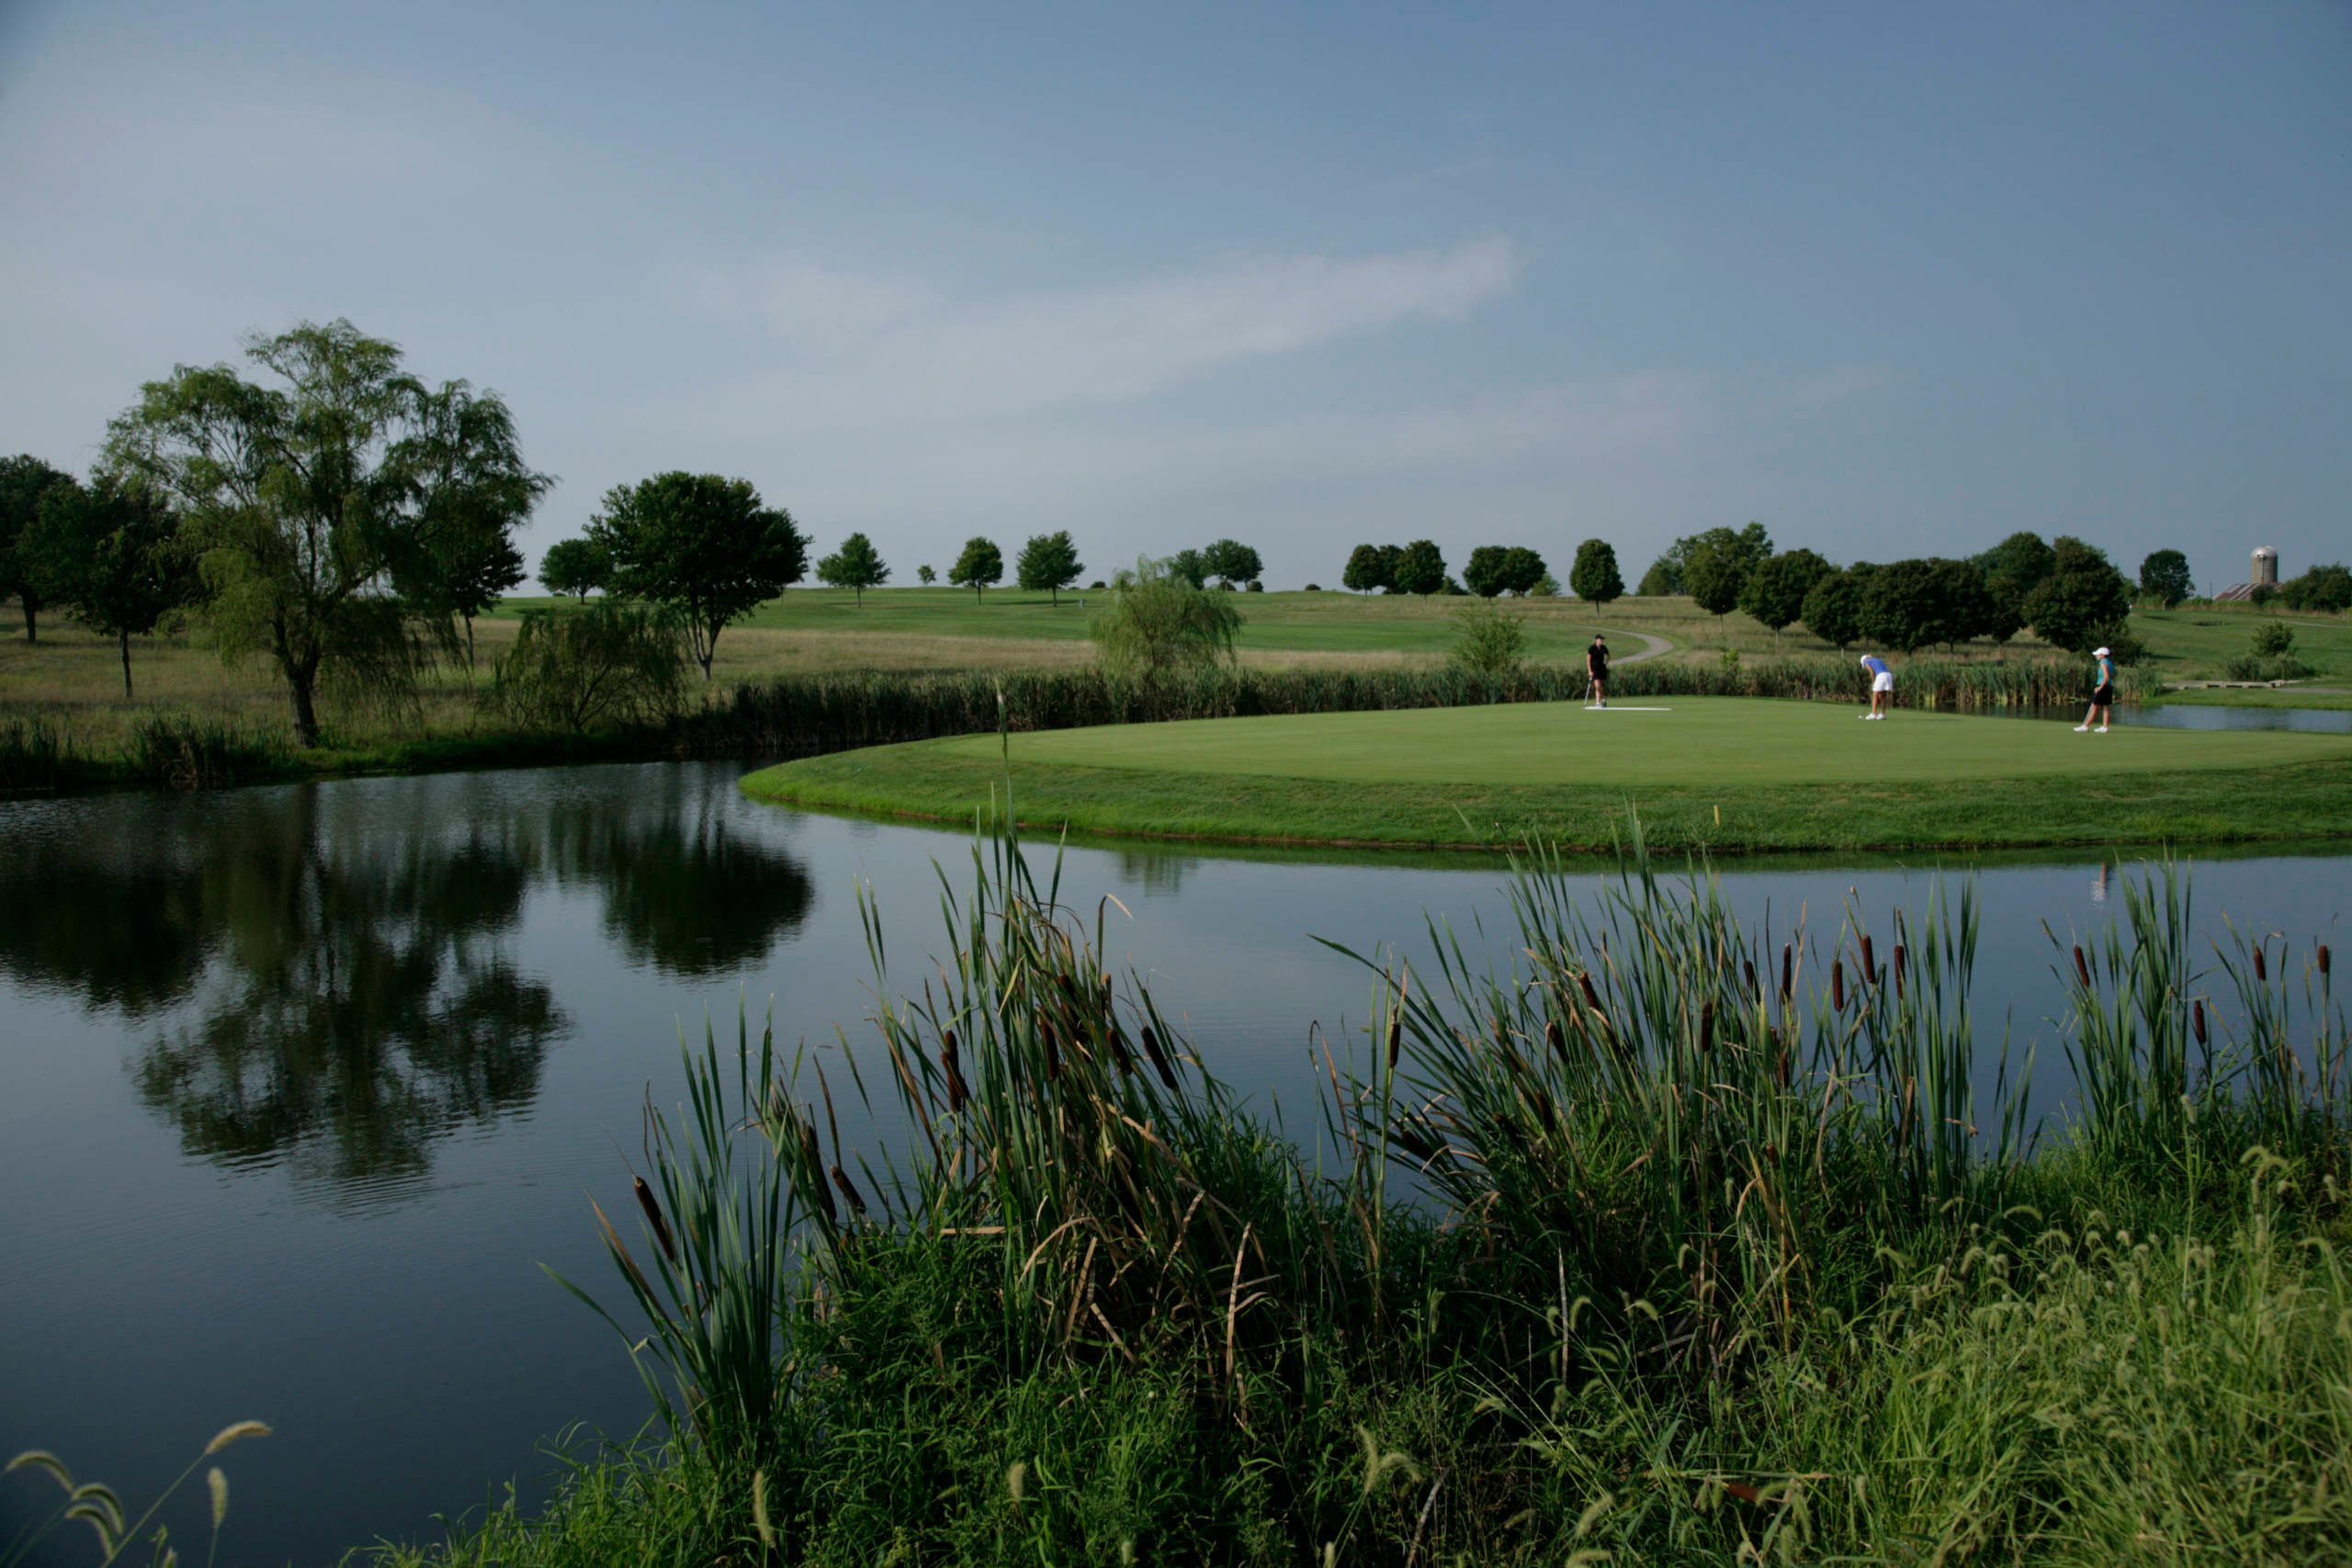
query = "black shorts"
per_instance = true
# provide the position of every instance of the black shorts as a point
(2104, 697)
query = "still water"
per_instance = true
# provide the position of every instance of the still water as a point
(303, 1084)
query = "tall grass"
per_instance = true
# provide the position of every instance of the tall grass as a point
(1670, 1237)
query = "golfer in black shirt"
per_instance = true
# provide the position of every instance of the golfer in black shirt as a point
(1596, 665)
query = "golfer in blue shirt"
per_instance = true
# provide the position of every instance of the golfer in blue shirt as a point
(2102, 691)
(1881, 685)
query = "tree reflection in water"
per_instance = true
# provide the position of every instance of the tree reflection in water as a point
(326, 965)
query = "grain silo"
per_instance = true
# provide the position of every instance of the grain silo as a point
(2265, 566)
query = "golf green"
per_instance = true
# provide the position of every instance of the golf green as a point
(1689, 740)
(1714, 774)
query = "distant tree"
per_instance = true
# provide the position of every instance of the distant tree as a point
(1965, 608)
(1664, 578)
(2327, 588)
(1420, 569)
(1594, 578)
(24, 481)
(1367, 569)
(1904, 606)
(924, 575)
(1048, 561)
(1775, 590)
(1190, 565)
(1523, 569)
(1485, 573)
(574, 671)
(707, 548)
(112, 553)
(1392, 557)
(574, 567)
(1228, 560)
(2082, 602)
(2023, 559)
(2164, 577)
(1715, 581)
(1546, 587)
(1157, 621)
(980, 566)
(2272, 639)
(856, 566)
(469, 490)
(302, 502)
(2003, 606)
(1834, 609)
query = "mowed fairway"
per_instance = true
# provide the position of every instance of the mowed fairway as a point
(1697, 741)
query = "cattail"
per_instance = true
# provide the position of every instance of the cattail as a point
(2261, 963)
(1837, 985)
(1899, 956)
(2082, 970)
(2196, 1020)
(1748, 969)
(1706, 1027)
(1788, 970)
(1784, 1068)
(1119, 1051)
(653, 1217)
(1591, 997)
(2323, 958)
(849, 1190)
(957, 1094)
(1554, 1038)
(1151, 1049)
(1053, 1051)
(1395, 1038)
(1869, 962)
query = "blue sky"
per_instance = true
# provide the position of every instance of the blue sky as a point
(1893, 279)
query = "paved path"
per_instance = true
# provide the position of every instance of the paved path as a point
(1657, 644)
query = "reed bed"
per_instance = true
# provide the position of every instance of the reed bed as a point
(1671, 1239)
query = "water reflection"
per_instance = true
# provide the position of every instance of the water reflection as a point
(324, 974)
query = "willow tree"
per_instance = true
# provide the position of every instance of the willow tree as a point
(1157, 621)
(306, 498)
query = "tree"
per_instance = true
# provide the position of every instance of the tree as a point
(2082, 602)
(1420, 569)
(112, 552)
(574, 566)
(302, 505)
(1902, 607)
(980, 565)
(1523, 569)
(1714, 581)
(1965, 605)
(1833, 608)
(1485, 573)
(1664, 578)
(1367, 569)
(1229, 561)
(856, 566)
(1048, 561)
(924, 575)
(1190, 565)
(2023, 559)
(704, 546)
(1594, 577)
(2327, 588)
(2164, 577)
(1157, 620)
(2004, 607)
(24, 481)
(576, 670)
(469, 490)
(1775, 590)
(1493, 640)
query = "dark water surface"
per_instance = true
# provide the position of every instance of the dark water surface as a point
(302, 1084)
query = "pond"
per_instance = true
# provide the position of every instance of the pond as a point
(306, 1083)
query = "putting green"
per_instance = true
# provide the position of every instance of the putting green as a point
(1696, 741)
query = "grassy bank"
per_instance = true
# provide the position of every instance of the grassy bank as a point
(1682, 1242)
(1727, 777)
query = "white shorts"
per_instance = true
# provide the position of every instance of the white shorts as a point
(1882, 682)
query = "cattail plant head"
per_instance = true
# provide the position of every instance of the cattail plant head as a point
(2323, 958)
(645, 1201)
(1837, 985)
(2196, 1020)
(2082, 969)
(1870, 961)
(2261, 962)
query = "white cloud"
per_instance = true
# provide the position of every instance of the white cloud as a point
(867, 348)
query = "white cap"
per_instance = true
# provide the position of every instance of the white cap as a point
(1866, 659)
(2100, 652)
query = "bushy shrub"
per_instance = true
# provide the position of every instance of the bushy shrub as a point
(611, 663)
(1256, 586)
(1493, 640)
(1314, 588)
(2272, 639)
(2253, 667)
(1159, 621)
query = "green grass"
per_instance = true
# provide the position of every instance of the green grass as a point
(2262, 697)
(1724, 774)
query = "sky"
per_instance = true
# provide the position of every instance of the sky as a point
(1891, 279)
